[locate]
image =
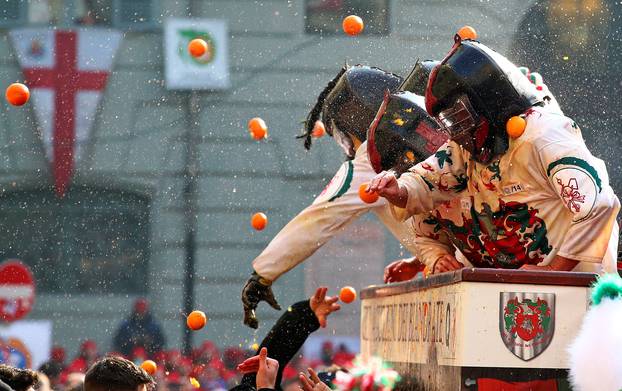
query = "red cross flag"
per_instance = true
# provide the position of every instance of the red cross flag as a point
(66, 71)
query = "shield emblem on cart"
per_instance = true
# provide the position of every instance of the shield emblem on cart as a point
(526, 322)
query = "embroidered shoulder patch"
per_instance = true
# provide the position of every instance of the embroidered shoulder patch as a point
(339, 185)
(577, 189)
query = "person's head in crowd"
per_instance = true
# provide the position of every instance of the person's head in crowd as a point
(88, 350)
(141, 308)
(53, 370)
(116, 374)
(139, 354)
(44, 383)
(18, 379)
(58, 354)
(327, 353)
(74, 379)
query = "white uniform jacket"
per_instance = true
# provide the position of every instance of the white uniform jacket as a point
(546, 195)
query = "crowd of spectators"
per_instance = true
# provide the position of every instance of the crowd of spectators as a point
(212, 368)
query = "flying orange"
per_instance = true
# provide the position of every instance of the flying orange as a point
(467, 32)
(353, 25)
(516, 126)
(149, 366)
(318, 129)
(259, 221)
(347, 294)
(17, 94)
(196, 320)
(258, 128)
(197, 47)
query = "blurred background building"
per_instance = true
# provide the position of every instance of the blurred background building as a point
(119, 232)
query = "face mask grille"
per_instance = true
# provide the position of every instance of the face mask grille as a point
(458, 120)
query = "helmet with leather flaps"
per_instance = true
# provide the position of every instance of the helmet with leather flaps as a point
(402, 134)
(417, 80)
(349, 103)
(473, 92)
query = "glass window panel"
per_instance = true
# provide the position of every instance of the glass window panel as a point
(91, 241)
(10, 11)
(94, 12)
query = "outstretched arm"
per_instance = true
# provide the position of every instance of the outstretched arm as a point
(291, 331)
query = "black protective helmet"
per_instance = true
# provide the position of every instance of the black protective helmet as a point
(402, 134)
(349, 103)
(417, 80)
(473, 92)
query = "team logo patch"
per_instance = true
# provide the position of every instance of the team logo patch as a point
(339, 185)
(577, 190)
(526, 322)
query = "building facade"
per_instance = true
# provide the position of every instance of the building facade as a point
(119, 232)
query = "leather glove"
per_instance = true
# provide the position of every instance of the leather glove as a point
(256, 289)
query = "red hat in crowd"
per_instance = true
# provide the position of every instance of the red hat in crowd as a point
(58, 354)
(141, 305)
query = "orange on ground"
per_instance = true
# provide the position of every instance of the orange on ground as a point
(196, 320)
(258, 128)
(347, 294)
(353, 25)
(368, 198)
(17, 94)
(318, 129)
(197, 47)
(516, 126)
(149, 366)
(259, 221)
(467, 32)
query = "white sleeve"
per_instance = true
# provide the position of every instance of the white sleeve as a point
(333, 209)
(581, 182)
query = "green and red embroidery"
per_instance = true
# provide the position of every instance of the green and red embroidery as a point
(509, 238)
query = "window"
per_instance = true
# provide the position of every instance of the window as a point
(134, 13)
(92, 241)
(12, 12)
(93, 12)
(123, 14)
(325, 16)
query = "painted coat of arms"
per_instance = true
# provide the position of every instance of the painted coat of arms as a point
(526, 322)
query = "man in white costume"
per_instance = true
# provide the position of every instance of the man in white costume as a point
(532, 195)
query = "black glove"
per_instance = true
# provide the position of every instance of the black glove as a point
(256, 289)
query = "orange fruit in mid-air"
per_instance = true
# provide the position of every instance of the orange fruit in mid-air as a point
(347, 294)
(196, 320)
(467, 32)
(258, 128)
(353, 25)
(516, 126)
(259, 221)
(318, 129)
(368, 198)
(149, 366)
(17, 94)
(197, 47)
